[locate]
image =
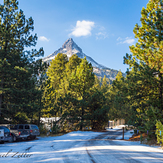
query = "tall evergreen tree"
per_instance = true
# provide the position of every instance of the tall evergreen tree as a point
(97, 109)
(55, 84)
(80, 82)
(17, 83)
(115, 97)
(148, 49)
(145, 78)
(56, 70)
(105, 85)
(40, 68)
(97, 83)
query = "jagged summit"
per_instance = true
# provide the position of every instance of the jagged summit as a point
(70, 45)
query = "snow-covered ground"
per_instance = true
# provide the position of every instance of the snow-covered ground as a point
(80, 146)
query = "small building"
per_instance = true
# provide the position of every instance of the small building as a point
(48, 122)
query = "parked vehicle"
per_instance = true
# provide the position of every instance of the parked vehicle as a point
(24, 131)
(5, 134)
(2, 135)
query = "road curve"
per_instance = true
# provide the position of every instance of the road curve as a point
(106, 149)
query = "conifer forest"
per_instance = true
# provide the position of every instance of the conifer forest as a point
(68, 88)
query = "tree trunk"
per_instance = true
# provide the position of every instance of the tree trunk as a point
(39, 113)
(81, 126)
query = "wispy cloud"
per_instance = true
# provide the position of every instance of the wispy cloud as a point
(43, 38)
(127, 40)
(101, 35)
(119, 39)
(82, 28)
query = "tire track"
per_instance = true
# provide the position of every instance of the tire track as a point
(145, 154)
(108, 137)
(65, 157)
(90, 156)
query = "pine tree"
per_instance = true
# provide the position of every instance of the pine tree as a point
(148, 50)
(55, 84)
(72, 64)
(115, 97)
(40, 68)
(16, 69)
(56, 70)
(145, 78)
(97, 109)
(97, 83)
(83, 78)
(105, 85)
(80, 82)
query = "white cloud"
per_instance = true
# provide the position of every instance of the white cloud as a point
(102, 28)
(119, 38)
(101, 35)
(43, 38)
(127, 40)
(83, 28)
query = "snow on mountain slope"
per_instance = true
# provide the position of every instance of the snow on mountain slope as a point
(70, 47)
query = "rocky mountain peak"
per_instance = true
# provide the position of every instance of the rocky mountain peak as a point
(68, 43)
(71, 45)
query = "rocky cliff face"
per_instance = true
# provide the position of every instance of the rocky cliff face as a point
(70, 47)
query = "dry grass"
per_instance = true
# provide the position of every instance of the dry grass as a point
(145, 139)
(136, 137)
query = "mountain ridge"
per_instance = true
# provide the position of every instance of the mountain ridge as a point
(70, 47)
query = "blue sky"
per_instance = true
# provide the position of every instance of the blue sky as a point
(103, 29)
